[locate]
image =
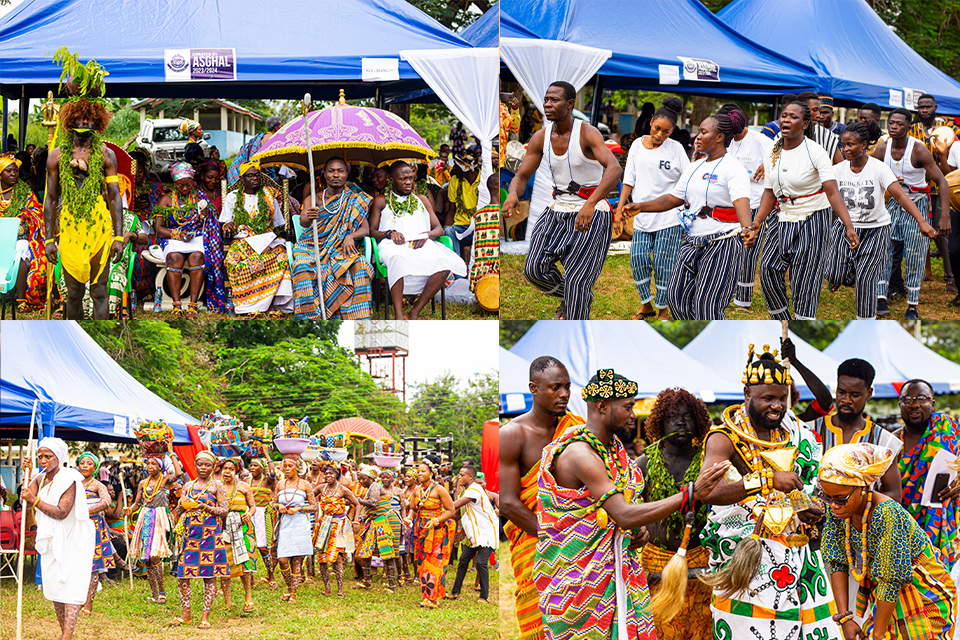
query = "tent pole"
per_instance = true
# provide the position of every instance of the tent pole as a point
(3, 141)
(597, 101)
(378, 98)
(24, 116)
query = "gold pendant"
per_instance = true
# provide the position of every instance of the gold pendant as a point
(602, 518)
(797, 540)
(781, 459)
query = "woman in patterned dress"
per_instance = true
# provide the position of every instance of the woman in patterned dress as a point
(202, 503)
(263, 480)
(154, 523)
(409, 500)
(395, 491)
(294, 501)
(238, 532)
(433, 533)
(329, 538)
(98, 499)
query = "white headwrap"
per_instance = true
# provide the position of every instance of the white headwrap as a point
(57, 446)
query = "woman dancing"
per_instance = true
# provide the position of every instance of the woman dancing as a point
(329, 538)
(433, 532)
(295, 500)
(98, 500)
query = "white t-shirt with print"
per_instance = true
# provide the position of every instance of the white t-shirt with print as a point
(863, 192)
(750, 152)
(953, 156)
(714, 184)
(799, 172)
(653, 173)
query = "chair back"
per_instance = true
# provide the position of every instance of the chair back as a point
(9, 228)
(9, 535)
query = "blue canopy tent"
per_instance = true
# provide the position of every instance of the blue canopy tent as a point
(515, 396)
(485, 30)
(633, 349)
(84, 394)
(722, 347)
(282, 49)
(858, 57)
(896, 356)
(659, 37)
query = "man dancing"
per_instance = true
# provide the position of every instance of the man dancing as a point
(521, 444)
(675, 430)
(575, 229)
(587, 569)
(90, 229)
(781, 592)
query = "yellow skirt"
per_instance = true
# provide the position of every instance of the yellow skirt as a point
(81, 240)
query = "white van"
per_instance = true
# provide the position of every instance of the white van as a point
(163, 139)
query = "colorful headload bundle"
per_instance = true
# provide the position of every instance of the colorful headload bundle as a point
(292, 437)
(262, 434)
(152, 436)
(387, 454)
(332, 448)
(227, 436)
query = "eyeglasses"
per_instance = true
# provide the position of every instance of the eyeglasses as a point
(911, 400)
(839, 502)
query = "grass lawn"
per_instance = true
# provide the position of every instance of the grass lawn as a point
(615, 297)
(509, 629)
(122, 614)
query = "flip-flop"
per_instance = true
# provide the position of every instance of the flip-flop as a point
(643, 315)
(248, 608)
(203, 625)
(177, 622)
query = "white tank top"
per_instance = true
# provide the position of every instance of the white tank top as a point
(906, 173)
(572, 165)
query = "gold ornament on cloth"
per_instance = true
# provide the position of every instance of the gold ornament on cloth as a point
(606, 387)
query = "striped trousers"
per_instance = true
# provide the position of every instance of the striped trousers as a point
(580, 254)
(651, 253)
(743, 296)
(801, 247)
(701, 285)
(915, 246)
(866, 262)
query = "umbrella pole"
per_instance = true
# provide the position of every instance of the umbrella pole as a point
(313, 203)
(23, 529)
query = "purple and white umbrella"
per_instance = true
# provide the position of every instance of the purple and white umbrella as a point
(359, 135)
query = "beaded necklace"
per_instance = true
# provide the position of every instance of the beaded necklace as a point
(756, 462)
(147, 499)
(408, 206)
(424, 495)
(337, 201)
(861, 572)
(663, 485)
(288, 499)
(620, 481)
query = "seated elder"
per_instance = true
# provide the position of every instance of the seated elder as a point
(402, 222)
(257, 260)
(341, 217)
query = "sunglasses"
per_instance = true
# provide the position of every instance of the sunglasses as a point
(839, 502)
(911, 400)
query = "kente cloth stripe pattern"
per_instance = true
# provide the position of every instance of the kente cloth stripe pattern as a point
(801, 248)
(865, 263)
(523, 548)
(575, 563)
(555, 239)
(702, 282)
(486, 244)
(904, 228)
(204, 554)
(255, 277)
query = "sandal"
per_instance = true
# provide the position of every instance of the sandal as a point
(643, 315)
(203, 625)
(452, 596)
(276, 315)
(429, 604)
(162, 598)
(191, 312)
(248, 608)
(177, 310)
(176, 622)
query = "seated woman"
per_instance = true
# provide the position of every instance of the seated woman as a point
(147, 194)
(257, 260)
(16, 199)
(341, 216)
(870, 537)
(403, 222)
(185, 224)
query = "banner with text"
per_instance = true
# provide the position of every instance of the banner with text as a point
(192, 65)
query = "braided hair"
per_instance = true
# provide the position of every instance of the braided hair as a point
(729, 125)
(778, 144)
(868, 133)
(670, 110)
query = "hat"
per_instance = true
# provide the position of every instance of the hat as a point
(6, 159)
(855, 465)
(182, 170)
(188, 125)
(766, 369)
(826, 100)
(606, 385)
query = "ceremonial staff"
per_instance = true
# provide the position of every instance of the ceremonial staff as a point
(23, 527)
(313, 203)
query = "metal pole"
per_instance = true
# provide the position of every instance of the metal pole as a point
(597, 101)
(24, 116)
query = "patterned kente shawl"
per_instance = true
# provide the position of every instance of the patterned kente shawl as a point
(31, 229)
(346, 279)
(203, 224)
(244, 155)
(575, 565)
(939, 523)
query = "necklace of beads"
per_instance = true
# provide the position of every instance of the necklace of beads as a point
(148, 498)
(859, 574)
(406, 207)
(756, 462)
(609, 462)
(337, 201)
(288, 499)
(425, 494)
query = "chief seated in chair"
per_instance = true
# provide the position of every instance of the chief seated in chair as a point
(402, 222)
(341, 216)
(257, 260)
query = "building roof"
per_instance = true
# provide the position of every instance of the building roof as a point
(149, 102)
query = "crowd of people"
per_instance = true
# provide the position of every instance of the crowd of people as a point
(295, 518)
(834, 205)
(775, 520)
(244, 246)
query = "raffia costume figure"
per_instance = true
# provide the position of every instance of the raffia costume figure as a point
(787, 595)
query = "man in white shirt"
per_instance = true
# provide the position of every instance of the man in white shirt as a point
(479, 522)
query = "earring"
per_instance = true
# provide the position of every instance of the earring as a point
(863, 492)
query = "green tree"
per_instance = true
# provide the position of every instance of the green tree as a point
(512, 330)
(444, 408)
(233, 334)
(680, 333)
(453, 14)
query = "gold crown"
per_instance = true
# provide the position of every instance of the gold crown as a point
(755, 374)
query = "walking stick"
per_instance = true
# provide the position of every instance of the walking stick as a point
(313, 203)
(23, 528)
(126, 530)
(786, 361)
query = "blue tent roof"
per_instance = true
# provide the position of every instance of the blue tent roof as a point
(515, 396)
(895, 355)
(84, 394)
(633, 349)
(859, 57)
(645, 35)
(290, 45)
(485, 31)
(722, 346)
